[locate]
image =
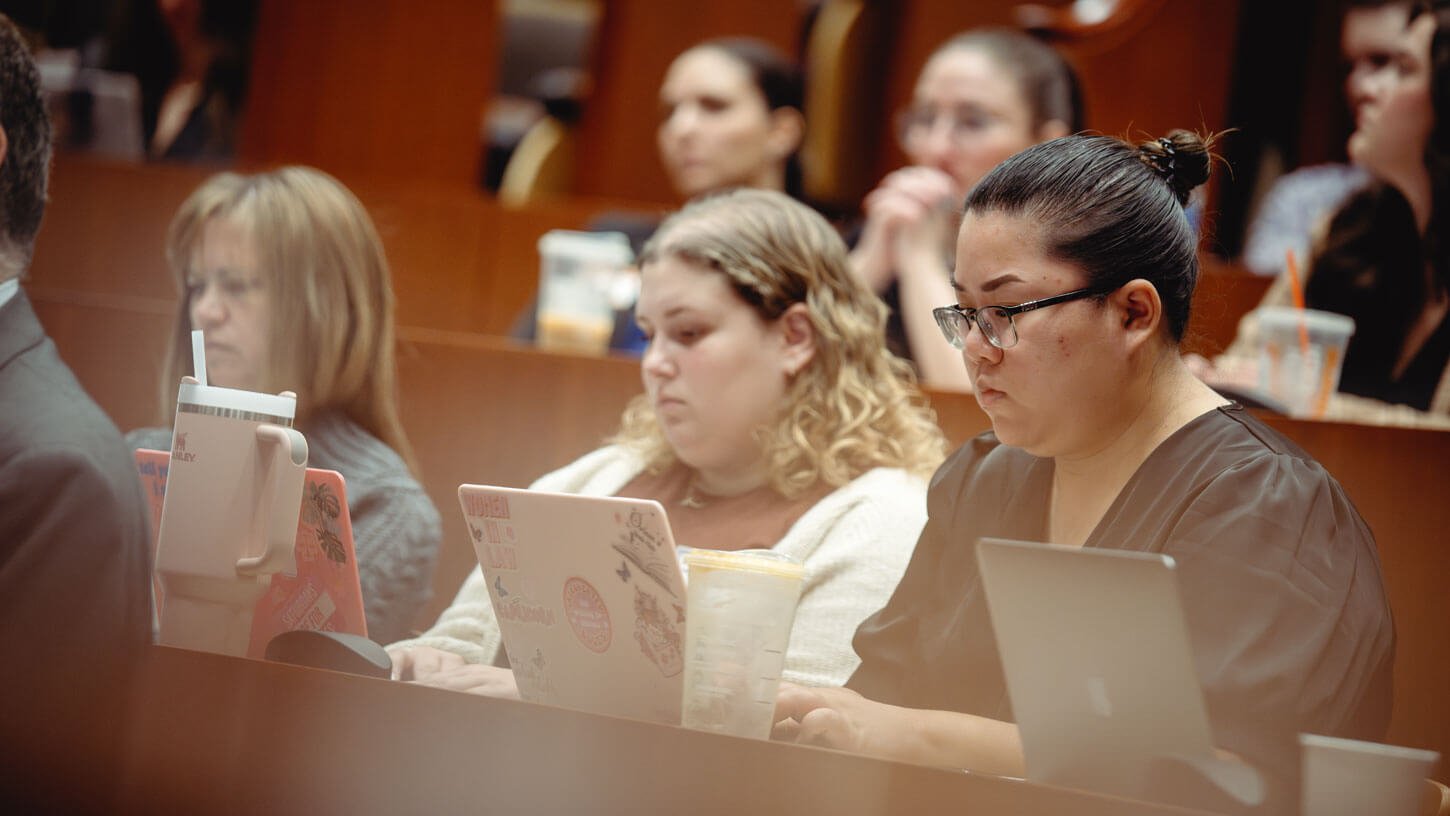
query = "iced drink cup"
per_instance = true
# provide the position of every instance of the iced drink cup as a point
(578, 272)
(1300, 356)
(1344, 777)
(740, 609)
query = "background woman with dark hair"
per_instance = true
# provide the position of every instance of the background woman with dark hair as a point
(1383, 260)
(191, 58)
(730, 116)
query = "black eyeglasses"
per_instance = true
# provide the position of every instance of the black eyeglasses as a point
(996, 321)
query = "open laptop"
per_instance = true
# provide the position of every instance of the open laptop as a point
(589, 598)
(324, 594)
(1095, 649)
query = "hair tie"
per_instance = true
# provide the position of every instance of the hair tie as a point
(1166, 162)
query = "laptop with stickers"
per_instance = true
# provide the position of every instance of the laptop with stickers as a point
(1099, 669)
(324, 594)
(589, 598)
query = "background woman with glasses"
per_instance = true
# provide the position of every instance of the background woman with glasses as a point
(285, 274)
(1075, 269)
(982, 97)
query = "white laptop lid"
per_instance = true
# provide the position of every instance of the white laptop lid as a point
(588, 595)
(1098, 665)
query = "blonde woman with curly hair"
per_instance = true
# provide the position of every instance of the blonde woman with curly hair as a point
(286, 276)
(773, 417)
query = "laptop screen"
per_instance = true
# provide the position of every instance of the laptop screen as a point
(588, 595)
(1099, 669)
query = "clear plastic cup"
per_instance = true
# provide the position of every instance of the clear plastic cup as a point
(1301, 356)
(740, 608)
(1344, 777)
(578, 272)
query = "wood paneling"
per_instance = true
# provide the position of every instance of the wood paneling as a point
(460, 262)
(374, 87)
(486, 411)
(1224, 295)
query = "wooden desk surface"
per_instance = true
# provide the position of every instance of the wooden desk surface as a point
(214, 734)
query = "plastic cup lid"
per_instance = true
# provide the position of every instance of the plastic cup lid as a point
(763, 561)
(215, 396)
(600, 247)
(1314, 320)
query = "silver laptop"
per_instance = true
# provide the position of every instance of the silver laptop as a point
(1097, 660)
(589, 598)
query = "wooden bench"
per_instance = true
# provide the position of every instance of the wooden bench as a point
(460, 261)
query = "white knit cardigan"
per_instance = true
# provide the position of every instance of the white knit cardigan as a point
(854, 544)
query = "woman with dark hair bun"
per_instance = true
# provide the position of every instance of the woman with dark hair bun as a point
(1075, 270)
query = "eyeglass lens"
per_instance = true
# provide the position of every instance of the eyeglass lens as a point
(995, 322)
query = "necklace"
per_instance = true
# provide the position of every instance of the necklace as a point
(692, 498)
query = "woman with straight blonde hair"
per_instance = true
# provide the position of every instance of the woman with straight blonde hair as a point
(285, 275)
(773, 417)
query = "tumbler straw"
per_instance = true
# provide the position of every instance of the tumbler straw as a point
(198, 356)
(1292, 265)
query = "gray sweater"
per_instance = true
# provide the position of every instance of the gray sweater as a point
(395, 525)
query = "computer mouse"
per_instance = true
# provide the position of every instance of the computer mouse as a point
(338, 651)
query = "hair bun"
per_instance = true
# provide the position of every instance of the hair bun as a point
(1181, 158)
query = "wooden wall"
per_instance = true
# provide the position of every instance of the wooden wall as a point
(381, 87)
(460, 262)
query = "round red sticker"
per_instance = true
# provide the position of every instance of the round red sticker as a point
(587, 615)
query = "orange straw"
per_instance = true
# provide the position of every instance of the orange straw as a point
(1292, 265)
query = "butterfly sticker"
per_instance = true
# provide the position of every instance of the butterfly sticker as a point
(623, 571)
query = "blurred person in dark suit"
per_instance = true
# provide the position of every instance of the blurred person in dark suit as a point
(75, 608)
